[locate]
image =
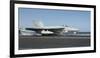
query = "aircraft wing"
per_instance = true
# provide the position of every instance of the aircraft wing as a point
(49, 29)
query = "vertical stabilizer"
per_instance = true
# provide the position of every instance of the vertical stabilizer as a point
(37, 24)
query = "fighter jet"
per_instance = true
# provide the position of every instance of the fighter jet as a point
(39, 28)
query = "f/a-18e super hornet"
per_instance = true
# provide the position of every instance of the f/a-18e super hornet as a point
(39, 28)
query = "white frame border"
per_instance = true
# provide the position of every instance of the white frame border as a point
(34, 51)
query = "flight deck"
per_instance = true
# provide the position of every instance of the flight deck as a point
(42, 42)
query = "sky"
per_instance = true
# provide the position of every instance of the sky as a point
(54, 17)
